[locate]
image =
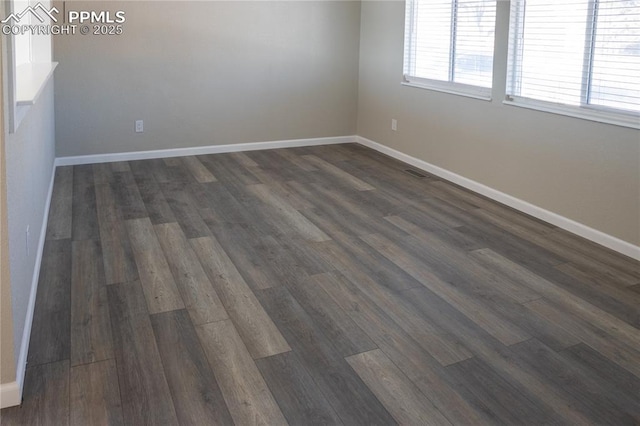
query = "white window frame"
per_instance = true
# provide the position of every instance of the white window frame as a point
(451, 87)
(26, 80)
(585, 110)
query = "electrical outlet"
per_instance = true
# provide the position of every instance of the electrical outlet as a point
(139, 126)
(26, 237)
(394, 124)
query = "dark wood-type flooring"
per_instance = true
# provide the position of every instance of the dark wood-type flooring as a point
(320, 285)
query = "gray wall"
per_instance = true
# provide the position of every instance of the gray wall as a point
(29, 155)
(586, 171)
(206, 73)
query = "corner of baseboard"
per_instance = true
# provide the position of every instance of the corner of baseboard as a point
(10, 394)
(563, 222)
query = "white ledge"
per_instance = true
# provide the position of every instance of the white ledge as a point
(31, 79)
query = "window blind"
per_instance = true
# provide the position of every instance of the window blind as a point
(580, 53)
(450, 41)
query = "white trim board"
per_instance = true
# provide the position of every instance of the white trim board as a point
(200, 150)
(570, 225)
(10, 394)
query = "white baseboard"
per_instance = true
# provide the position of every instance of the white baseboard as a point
(21, 366)
(199, 150)
(570, 225)
(10, 394)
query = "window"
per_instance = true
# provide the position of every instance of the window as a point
(449, 45)
(580, 57)
(29, 65)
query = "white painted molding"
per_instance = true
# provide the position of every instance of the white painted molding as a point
(10, 395)
(570, 225)
(21, 366)
(200, 150)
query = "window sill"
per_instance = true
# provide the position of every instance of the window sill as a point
(31, 78)
(450, 90)
(577, 112)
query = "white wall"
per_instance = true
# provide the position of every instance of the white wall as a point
(207, 73)
(29, 155)
(588, 172)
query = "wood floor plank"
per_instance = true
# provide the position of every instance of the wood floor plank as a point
(263, 261)
(195, 392)
(596, 251)
(443, 300)
(157, 281)
(223, 207)
(45, 399)
(348, 395)
(574, 304)
(153, 198)
(397, 393)
(414, 362)
(502, 330)
(102, 173)
(61, 209)
(441, 345)
(172, 161)
(50, 338)
(84, 216)
(571, 381)
(275, 182)
(336, 325)
(95, 394)
(185, 210)
(625, 304)
(297, 160)
(618, 385)
(90, 323)
(356, 251)
(225, 168)
(254, 325)
(506, 401)
(513, 220)
(498, 357)
(169, 174)
(441, 252)
(244, 159)
(246, 253)
(619, 352)
(295, 391)
(198, 170)
(294, 219)
(273, 168)
(127, 196)
(199, 296)
(561, 250)
(146, 399)
(350, 257)
(245, 392)
(362, 212)
(119, 264)
(338, 173)
(331, 153)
